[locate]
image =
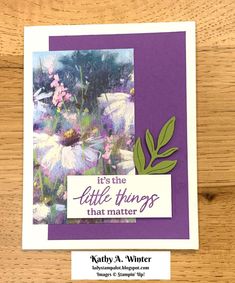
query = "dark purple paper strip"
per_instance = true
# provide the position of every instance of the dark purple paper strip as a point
(160, 89)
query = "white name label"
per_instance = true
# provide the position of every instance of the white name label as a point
(122, 196)
(120, 265)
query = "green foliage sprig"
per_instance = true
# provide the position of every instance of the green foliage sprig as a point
(164, 137)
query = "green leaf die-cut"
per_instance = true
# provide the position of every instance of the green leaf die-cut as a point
(168, 152)
(164, 137)
(150, 142)
(139, 158)
(162, 167)
(166, 133)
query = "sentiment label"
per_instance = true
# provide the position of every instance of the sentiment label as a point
(122, 196)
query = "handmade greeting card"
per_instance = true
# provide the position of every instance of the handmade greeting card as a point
(110, 137)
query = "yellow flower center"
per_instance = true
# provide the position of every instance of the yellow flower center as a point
(69, 133)
(70, 137)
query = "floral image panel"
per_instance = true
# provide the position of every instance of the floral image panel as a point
(83, 124)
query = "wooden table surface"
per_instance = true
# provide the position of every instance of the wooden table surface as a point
(215, 19)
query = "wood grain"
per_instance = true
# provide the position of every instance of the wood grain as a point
(215, 261)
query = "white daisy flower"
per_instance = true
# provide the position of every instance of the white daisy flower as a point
(40, 211)
(119, 107)
(60, 207)
(39, 111)
(126, 166)
(65, 154)
(40, 108)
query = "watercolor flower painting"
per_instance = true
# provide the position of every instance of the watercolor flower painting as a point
(83, 124)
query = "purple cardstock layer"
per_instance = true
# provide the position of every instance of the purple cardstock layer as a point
(160, 93)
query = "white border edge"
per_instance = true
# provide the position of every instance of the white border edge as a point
(39, 241)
